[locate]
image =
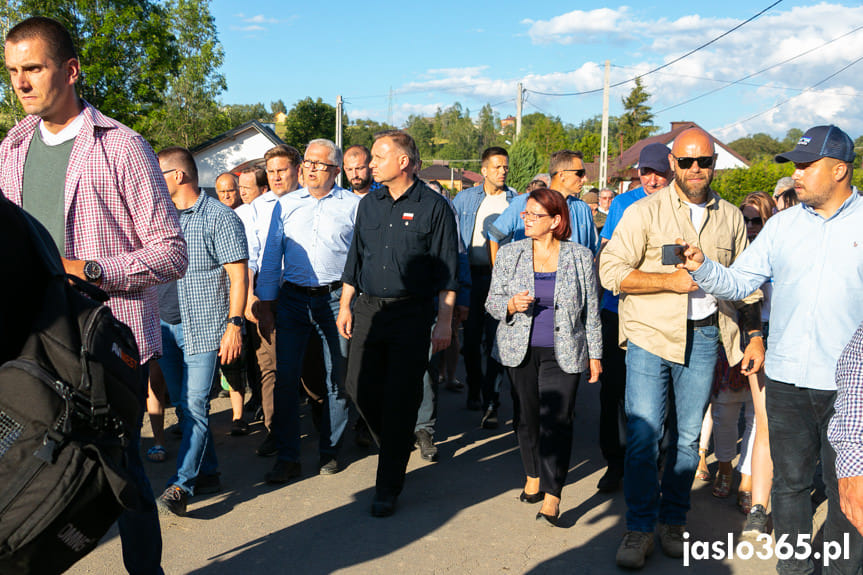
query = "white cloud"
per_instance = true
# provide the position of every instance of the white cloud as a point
(770, 39)
(580, 25)
(260, 22)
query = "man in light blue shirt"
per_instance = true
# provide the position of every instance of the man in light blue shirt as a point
(567, 177)
(307, 246)
(813, 252)
(283, 173)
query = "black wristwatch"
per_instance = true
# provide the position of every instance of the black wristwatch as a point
(92, 271)
(236, 320)
(755, 334)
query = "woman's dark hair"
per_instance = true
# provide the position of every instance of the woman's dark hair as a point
(555, 205)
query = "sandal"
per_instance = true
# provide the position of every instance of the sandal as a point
(702, 474)
(744, 501)
(157, 454)
(722, 485)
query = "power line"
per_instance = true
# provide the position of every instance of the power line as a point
(761, 72)
(782, 103)
(666, 65)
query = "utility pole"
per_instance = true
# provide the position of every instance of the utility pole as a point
(390, 109)
(518, 107)
(339, 127)
(603, 146)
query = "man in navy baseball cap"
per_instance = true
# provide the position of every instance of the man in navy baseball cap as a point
(820, 142)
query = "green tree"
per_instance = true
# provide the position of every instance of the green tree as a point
(489, 128)
(278, 107)
(309, 119)
(238, 114)
(422, 131)
(758, 146)
(126, 49)
(191, 114)
(455, 134)
(792, 136)
(733, 185)
(524, 163)
(362, 132)
(636, 123)
(547, 134)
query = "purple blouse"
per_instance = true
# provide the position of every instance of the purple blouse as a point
(542, 331)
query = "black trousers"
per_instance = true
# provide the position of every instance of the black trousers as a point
(479, 334)
(389, 353)
(612, 416)
(543, 398)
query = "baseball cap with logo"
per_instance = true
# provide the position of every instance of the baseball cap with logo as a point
(820, 142)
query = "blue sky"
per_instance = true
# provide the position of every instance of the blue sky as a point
(432, 55)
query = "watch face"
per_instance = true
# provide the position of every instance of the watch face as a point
(92, 271)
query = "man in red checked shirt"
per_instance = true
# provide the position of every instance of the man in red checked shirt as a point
(96, 186)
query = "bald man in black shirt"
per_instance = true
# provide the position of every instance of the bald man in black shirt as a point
(404, 252)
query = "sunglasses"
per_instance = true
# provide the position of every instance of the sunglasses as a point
(756, 221)
(704, 162)
(579, 173)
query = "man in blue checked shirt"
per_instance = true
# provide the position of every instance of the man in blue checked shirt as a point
(846, 429)
(567, 177)
(310, 231)
(813, 252)
(202, 322)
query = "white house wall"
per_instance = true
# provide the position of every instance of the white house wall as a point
(228, 154)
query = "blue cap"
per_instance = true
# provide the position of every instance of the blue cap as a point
(655, 157)
(820, 142)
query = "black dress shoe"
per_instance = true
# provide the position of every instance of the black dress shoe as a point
(610, 482)
(548, 519)
(384, 505)
(531, 497)
(283, 471)
(269, 447)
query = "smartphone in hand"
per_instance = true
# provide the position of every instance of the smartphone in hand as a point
(672, 254)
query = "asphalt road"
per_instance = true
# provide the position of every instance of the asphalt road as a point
(459, 515)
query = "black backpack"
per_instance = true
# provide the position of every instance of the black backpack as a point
(68, 406)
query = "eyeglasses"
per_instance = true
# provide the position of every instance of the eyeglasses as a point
(579, 173)
(166, 172)
(754, 221)
(704, 162)
(533, 217)
(318, 166)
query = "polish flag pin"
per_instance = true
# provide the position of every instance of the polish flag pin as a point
(407, 216)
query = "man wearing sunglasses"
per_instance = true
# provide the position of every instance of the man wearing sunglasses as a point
(310, 231)
(567, 177)
(813, 255)
(671, 330)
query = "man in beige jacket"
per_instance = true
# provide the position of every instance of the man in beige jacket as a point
(671, 330)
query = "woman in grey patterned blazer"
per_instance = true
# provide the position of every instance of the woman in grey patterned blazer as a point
(543, 292)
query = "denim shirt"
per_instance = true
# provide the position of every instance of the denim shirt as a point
(510, 227)
(817, 269)
(467, 204)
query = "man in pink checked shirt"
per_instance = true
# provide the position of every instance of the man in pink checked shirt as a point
(97, 187)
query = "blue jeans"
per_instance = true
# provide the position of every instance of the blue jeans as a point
(648, 377)
(798, 419)
(188, 379)
(140, 536)
(299, 317)
(427, 413)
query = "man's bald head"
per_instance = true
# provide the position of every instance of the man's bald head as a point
(692, 139)
(693, 157)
